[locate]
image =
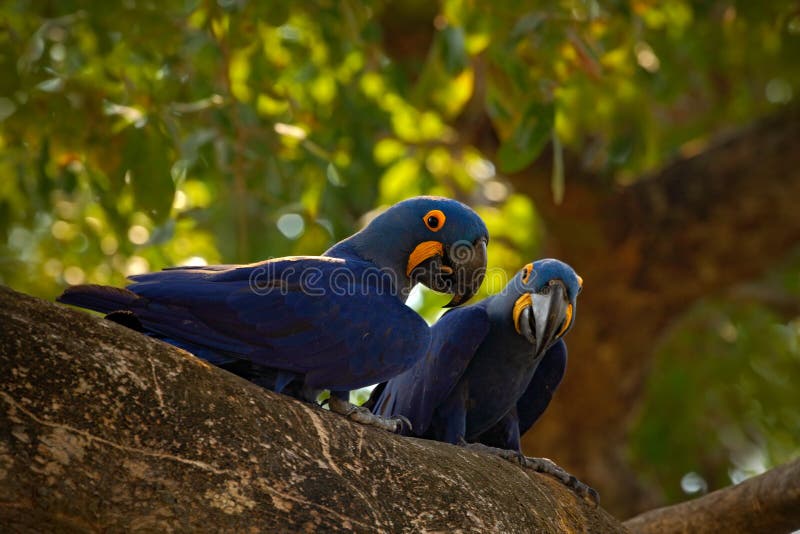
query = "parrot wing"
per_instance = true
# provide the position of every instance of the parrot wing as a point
(317, 316)
(418, 392)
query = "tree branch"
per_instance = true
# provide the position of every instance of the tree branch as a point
(767, 503)
(102, 428)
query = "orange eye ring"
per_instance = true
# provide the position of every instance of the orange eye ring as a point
(434, 220)
(526, 273)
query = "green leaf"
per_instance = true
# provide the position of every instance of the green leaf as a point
(332, 173)
(454, 50)
(528, 138)
(526, 25)
(146, 156)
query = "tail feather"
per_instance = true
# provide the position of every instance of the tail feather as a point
(104, 299)
(173, 324)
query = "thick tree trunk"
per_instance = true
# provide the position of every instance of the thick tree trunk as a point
(646, 252)
(103, 429)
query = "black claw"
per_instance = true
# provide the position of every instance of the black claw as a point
(542, 465)
(403, 420)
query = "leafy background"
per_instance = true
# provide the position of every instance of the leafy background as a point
(138, 135)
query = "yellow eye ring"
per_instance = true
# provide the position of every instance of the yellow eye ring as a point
(526, 273)
(434, 220)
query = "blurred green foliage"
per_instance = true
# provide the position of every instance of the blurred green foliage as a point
(723, 396)
(140, 134)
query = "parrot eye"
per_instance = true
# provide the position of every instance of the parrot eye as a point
(526, 273)
(434, 220)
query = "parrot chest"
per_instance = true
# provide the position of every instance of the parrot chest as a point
(497, 377)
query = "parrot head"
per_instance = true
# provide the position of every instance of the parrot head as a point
(543, 296)
(435, 241)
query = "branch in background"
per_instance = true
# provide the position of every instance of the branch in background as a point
(102, 428)
(767, 503)
(763, 294)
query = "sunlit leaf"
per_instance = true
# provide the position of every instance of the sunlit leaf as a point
(333, 175)
(401, 180)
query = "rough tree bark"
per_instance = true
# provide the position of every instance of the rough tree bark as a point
(646, 252)
(103, 429)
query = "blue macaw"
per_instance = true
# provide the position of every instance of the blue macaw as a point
(303, 324)
(492, 368)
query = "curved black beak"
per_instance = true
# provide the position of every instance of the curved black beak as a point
(458, 269)
(546, 318)
(468, 263)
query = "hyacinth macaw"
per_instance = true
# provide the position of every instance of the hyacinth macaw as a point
(300, 325)
(492, 368)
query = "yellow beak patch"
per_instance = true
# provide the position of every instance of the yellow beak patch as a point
(423, 251)
(567, 321)
(523, 302)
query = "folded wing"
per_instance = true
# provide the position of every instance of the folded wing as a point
(320, 317)
(418, 392)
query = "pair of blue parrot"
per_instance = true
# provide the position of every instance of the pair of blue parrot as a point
(338, 322)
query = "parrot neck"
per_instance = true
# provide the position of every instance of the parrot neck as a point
(501, 323)
(380, 256)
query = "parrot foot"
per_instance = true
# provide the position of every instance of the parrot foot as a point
(362, 415)
(547, 466)
(540, 465)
